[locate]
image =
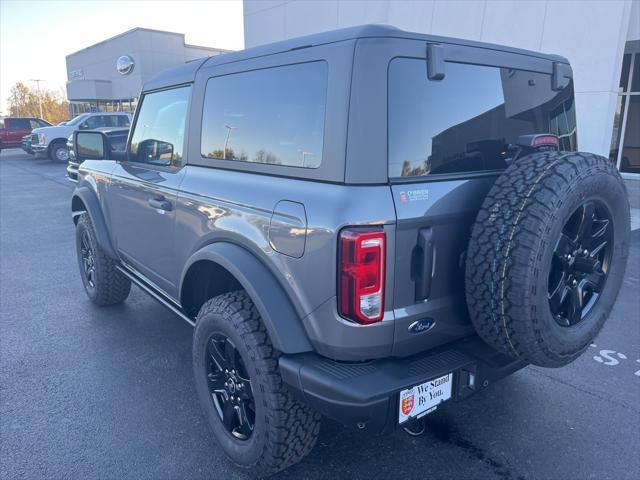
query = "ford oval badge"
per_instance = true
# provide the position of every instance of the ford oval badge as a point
(421, 326)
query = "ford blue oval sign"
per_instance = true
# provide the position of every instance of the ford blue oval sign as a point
(125, 64)
(421, 326)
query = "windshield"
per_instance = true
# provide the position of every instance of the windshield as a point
(78, 119)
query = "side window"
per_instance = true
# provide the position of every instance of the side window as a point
(274, 116)
(95, 121)
(117, 121)
(470, 120)
(158, 135)
(120, 121)
(19, 124)
(35, 124)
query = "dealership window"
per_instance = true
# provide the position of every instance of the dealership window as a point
(625, 141)
(273, 116)
(470, 120)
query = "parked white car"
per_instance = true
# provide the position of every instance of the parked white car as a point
(52, 141)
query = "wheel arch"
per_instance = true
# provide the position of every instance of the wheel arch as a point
(234, 267)
(85, 200)
(54, 141)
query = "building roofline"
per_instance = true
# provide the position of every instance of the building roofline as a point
(145, 30)
(214, 49)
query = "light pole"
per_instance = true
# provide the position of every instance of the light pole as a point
(226, 140)
(38, 80)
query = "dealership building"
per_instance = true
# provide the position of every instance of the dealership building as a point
(109, 75)
(601, 39)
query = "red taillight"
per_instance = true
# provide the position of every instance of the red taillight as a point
(541, 140)
(361, 275)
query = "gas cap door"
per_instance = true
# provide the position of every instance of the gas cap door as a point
(288, 228)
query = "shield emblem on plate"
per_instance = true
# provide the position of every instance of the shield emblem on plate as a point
(407, 404)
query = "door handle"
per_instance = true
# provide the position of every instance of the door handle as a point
(425, 268)
(160, 203)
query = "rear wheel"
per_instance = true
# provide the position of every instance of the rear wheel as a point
(547, 256)
(58, 151)
(254, 418)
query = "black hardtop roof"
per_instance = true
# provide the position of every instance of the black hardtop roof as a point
(186, 73)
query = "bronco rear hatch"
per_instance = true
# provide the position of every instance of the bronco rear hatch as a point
(448, 140)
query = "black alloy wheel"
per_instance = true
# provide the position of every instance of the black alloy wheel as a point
(580, 263)
(230, 387)
(88, 260)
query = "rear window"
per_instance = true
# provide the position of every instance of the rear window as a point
(119, 121)
(18, 124)
(273, 116)
(468, 121)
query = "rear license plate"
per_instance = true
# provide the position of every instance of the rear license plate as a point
(424, 398)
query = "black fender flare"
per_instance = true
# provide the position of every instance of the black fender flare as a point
(93, 209)
(283, 324)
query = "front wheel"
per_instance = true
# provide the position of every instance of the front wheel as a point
(254, 418)
(102, 281)
(58, 151)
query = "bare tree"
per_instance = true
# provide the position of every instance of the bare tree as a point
(23, 102)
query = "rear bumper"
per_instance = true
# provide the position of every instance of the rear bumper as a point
(366, 394)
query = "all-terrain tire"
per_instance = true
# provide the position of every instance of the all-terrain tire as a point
(285, 430)
(106, 285)
(513, 255)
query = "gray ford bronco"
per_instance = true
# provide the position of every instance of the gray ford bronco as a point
(359, 224)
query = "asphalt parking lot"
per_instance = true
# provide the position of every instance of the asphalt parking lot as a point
(108, 393)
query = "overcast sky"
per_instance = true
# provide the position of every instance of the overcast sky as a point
(36, 36)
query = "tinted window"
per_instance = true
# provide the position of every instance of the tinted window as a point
(624, 77)
(35, 123)
(630, 159)
(19, 124)
(635, 81)
(158, 136)
(468, 121)
(95, 121)
(273, 116)
(117, 121)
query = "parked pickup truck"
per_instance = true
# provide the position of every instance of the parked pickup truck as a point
(360, 224)
(12, 129)
(51, 141)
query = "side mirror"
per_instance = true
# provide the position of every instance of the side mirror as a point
(83, 126)
(90, 146)
(155, 151)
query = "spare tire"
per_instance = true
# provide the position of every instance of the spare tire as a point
(547, 256)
